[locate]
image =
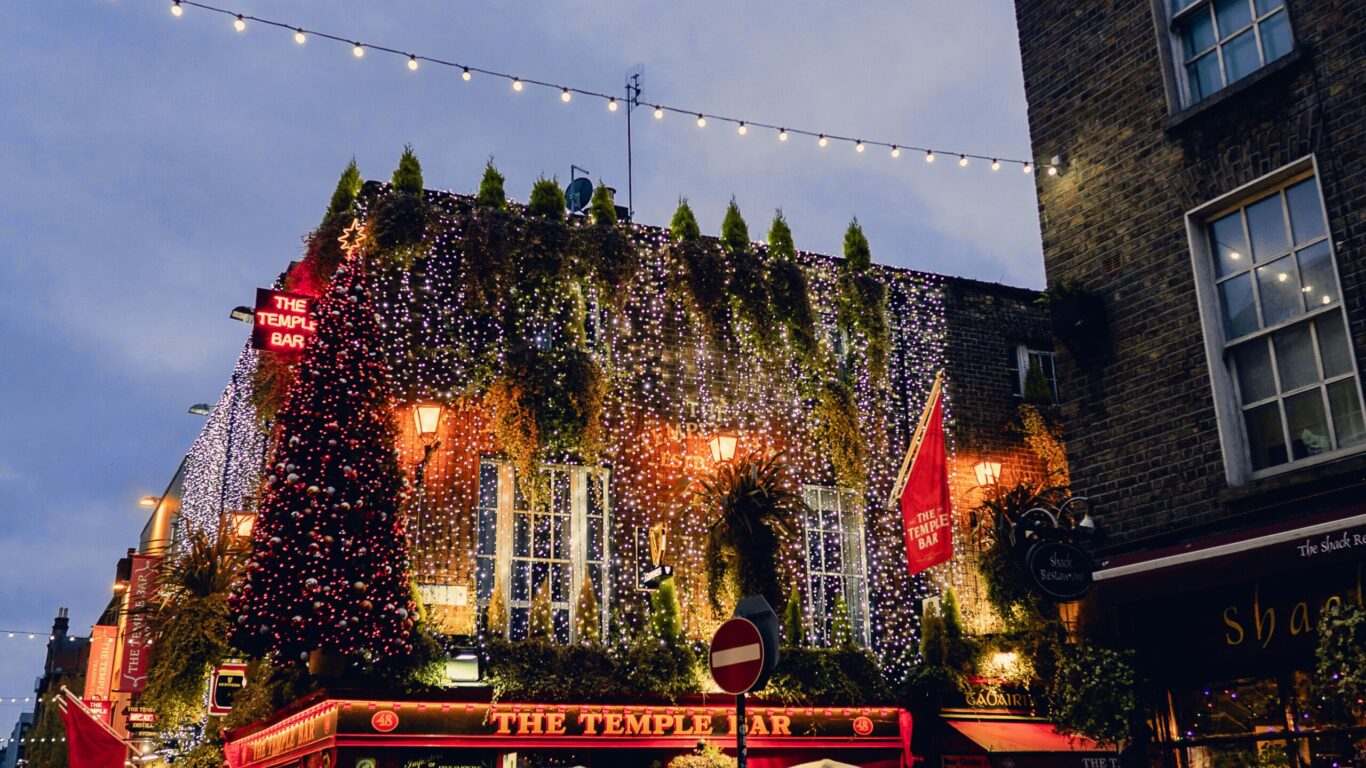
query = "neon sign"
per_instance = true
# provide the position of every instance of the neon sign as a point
(282, 322)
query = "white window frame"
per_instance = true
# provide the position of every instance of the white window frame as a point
(1022, 353)
(1228, 409)
(505, 533)
(851, 503)
(1176, 20)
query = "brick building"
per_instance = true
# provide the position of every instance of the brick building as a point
(1209, 193)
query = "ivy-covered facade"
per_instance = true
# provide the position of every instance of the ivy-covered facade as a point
(561, 509)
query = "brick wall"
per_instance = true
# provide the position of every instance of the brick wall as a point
(1143, 435)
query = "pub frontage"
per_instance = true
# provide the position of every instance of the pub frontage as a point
(573, 405)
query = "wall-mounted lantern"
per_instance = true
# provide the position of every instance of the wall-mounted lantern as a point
(723, 446)
(988, 473)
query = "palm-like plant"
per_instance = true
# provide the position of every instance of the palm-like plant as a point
(190, 623)
(752, 503)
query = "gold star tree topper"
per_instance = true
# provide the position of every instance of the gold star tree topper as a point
(353, 239)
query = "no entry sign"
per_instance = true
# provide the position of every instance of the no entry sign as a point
(737, 655)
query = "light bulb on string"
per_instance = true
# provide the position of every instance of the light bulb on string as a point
(517, 84)
(358, 50)
(465, 74)
(896, 151)
(995, 164)
(565, 95)
(743, 129)
(963, 161)
(239, 23)
(176, 10)
(412, 63)
(659, 113)
(300, 37)
(1052, 170)
(858, 147)
(701, 120)
(782, 134)
(822, 141)
(929, 156)
(612, 105)
(1027, 168)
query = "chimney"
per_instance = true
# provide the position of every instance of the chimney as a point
(60, 624)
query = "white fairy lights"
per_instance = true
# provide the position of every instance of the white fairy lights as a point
(566, 92)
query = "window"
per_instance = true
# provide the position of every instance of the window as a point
(1278, 327)
(555, 546)
(835, 566)
(1019, 359)
(1219, 42)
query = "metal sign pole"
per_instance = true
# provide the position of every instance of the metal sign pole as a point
(741, 730)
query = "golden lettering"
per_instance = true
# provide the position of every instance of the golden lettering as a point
(758, 726)
(1299, 618)
(528, 722)
(590, 721)
(1262, 618)
(503, 720)
(782, 725)
(1230, 620)
(638, 725)
(702, 724)
(554, 723)
(613, 726)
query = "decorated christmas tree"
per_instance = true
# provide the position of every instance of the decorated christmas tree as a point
(329, 564)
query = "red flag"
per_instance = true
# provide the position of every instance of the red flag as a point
(925, 503)
(89, 742)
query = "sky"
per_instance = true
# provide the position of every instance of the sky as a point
(155, 170)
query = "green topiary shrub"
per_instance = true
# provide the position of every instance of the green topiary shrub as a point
(734, 230)
(794, 623)
(602, 208)
(841, 625)
(858, 257)
(1037, 390)
(407, 178)
(491, 194)
(344, 196)
(683, 226)
(780, 244)
(862, 302)
(546, 200)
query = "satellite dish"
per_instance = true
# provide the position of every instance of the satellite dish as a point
(578, 194)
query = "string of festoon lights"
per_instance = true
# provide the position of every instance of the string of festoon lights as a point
(567, 93)
(24, 634)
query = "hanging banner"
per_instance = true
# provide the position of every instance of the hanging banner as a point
(925, 504)
(137, 643)
(99, 674)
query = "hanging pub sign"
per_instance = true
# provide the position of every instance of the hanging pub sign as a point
(137, 641)
(650, 567)
(1059, 570)
(142, 720)
(283, 322)
(227, 679)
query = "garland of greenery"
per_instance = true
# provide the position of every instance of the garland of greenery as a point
(1093, 694)
(862, 304)
(1341, 655)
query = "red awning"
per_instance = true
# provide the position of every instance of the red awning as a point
(1022, 736)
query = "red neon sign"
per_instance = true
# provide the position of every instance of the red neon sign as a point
(282, 321)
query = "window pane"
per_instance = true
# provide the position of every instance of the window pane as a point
(1203, 76)
(1235, 296)
(1337, 358)
(1229, 244)
(488, 532)
(559, 582)
(1178, 5)
(595, 538)
(521, 540)
(1316, 265)
(1198, 33)
(1264, 439)
(541, 536)
(1267, 227)
(1306, 217)
(1342, 398)
(488, 485)
(1308, 429)
(1276, 40)
(1295, 357)
(1253, 362)
(1264, 6)
(1233, 15)
(1240, 56)
(560, 551)
(521, 580)
(1280, 290)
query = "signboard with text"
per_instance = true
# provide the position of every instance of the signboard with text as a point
(283, 323)
(1060, 570)
(227, 680)
(99, 675)
(137, 642)
(142, 720)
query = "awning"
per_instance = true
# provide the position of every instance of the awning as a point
(1021, 736)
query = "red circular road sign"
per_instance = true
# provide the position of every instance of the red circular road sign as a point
(737, 655)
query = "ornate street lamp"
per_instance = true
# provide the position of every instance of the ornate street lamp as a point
(723, 446)
(427, 417)
(988, 472)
